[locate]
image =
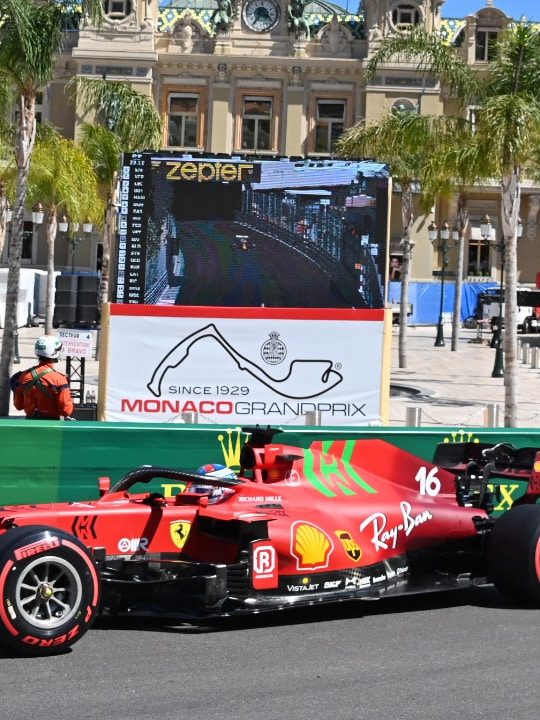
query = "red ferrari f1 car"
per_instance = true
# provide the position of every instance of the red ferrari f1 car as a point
(344, 519)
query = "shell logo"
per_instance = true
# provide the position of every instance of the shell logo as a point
(310, 545)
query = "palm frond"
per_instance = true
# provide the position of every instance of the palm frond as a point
(30, 39)
(457, 160)
(93, 9)
(56, 162)
(129, 114)
(103, 148)
(431, 56)
(515, 69)
(403, 140)
(508, 127)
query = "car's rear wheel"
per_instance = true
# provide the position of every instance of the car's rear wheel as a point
(49, 590)
(514, 553)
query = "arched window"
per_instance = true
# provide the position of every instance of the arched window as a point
(404, 105)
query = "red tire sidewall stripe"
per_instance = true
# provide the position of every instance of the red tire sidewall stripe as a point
(3, 614)
(537, 560)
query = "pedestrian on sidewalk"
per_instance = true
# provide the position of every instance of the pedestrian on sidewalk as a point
(41, 391)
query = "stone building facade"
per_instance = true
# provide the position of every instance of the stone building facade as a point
(279, 78)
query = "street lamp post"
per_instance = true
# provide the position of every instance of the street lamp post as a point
(38, 214)
(486, 233)
(444, 246)
(74, 239)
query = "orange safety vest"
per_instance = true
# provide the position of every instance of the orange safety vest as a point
(42, 392)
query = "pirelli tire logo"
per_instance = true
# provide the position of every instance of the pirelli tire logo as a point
(36, 548)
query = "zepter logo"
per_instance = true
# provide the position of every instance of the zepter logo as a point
(310, 545)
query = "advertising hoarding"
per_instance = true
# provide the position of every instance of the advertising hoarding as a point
(244, 365)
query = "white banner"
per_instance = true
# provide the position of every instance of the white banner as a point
(244, 365)
(77, 343)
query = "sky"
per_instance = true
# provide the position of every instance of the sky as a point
(513, 8)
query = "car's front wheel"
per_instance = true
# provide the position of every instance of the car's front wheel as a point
(514, 553)
(49, 590)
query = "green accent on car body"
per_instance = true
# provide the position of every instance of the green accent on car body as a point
(334, 467)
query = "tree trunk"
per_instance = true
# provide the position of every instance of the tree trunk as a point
(462, 223)
(52, 226)
(106, 256)
(510, 199)
(25, 135)
(407, 220)
(3, 217)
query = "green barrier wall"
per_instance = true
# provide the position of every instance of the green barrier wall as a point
(47, 461)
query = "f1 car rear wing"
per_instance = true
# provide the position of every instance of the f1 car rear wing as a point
(501, 461)
(506, 460)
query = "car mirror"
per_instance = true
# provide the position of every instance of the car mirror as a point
(104, 485)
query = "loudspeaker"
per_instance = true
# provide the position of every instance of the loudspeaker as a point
(64, 314)
(65, 300)
(65, 297)
(88, 283)
(87, 314)
(76, 300)
(67, 282)
(88, 299)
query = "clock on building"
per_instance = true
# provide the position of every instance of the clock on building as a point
(261, 15)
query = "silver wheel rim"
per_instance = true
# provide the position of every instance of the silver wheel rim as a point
(48, 592)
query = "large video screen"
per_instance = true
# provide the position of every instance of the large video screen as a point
(241, 232)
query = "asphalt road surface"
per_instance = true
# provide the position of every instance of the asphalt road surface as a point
(459, 656)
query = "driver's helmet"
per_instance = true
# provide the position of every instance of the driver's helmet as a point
(216, 470)
(212, 470)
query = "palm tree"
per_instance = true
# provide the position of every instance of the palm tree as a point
(126, 122)
(506, 134)
(6, 131)
(103, 148)
(451, 169)
(56, 162)
(404, 141)
(31, 36)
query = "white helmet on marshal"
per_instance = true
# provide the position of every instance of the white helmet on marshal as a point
(48, 346)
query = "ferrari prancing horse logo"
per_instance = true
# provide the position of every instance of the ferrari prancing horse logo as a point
(179, 532)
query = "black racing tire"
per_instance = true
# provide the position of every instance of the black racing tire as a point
(514, 554)
(49, 590)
